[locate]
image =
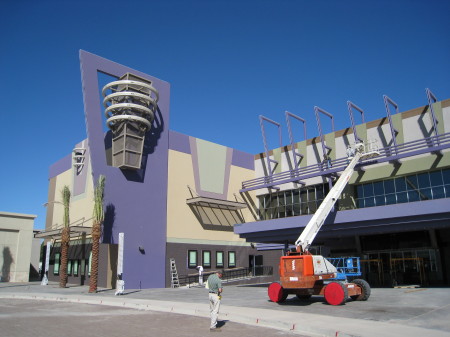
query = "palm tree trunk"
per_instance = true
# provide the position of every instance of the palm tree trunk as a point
(65, 237)
(96, 234)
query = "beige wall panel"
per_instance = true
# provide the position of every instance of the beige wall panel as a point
(16, 235)
(80, 207)
(341, 145)
(446, 116)
(314, 153)
(418, 127)
(182, 224)
(381, 134)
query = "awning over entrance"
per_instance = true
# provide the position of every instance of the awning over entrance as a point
(56, 233)
(216, 214)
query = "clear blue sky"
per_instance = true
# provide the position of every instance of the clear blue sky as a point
(227, 63)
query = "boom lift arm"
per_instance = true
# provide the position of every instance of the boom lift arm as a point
(312, 228)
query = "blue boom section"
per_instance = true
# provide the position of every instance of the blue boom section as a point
(346, 267)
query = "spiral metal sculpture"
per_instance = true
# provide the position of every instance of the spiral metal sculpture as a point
(130, 105)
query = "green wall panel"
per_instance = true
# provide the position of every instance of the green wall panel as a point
(211, 163)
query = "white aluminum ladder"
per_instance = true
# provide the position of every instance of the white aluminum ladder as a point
(174, 274)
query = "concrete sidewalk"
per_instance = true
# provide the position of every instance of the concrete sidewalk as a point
(389, 312)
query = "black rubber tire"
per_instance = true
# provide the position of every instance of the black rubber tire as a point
(303, 297)
(365, 290)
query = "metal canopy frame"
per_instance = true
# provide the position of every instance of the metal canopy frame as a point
(291, 138)
(430, 97)
(352, 106)
(266, 148)
(216, 203)
(319, 127)
(394, 131)
(56, 233)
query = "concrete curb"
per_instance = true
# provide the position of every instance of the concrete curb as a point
(301, 323)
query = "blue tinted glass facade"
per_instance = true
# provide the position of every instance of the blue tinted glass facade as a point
(412, 188)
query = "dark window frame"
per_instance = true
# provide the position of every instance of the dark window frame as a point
(189, 262)
(231, 265)
(203, 259)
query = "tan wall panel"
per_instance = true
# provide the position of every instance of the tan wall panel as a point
(181, 220)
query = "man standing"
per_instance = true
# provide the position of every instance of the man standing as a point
(215, 291)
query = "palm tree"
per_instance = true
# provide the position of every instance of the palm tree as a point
(65, 237)
(98, 217)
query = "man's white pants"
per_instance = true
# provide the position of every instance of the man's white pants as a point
(214, 306)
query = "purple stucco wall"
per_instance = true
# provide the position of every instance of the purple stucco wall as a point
(60, 166)
(135, 202)
(179, 142)
(243, 159)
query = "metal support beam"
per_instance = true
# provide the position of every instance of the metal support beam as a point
(431, 98)
(394, 131)
(291, 138)
(319, 126)
(352, 106)
(266, 148)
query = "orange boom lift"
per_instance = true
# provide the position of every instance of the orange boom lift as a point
(304, 274)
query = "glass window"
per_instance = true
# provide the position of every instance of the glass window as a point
(57, 263)
(192, 259)
(424, 180)
(231, 259)
(447, 191)
(289, 210)
(369, 202)
(360, 203)
(413, 196)
(207, 259)
(425, 194)
(274, 201)
(411, 183)
(378, 188)
(446, 176)
(282, 198)
(296, 196)
(266, 200)
(379, 200)
(438, 192)
(311, 194)
(75, 268)
(69, 267)
(389, 186)
(83, 267)
(288, 197)
(359, 191)
(296, 210)
(402, 197)
(400, 184)
(390, 199)
(368, 190)
(319, 193)
(219, 259)
(436, 178)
